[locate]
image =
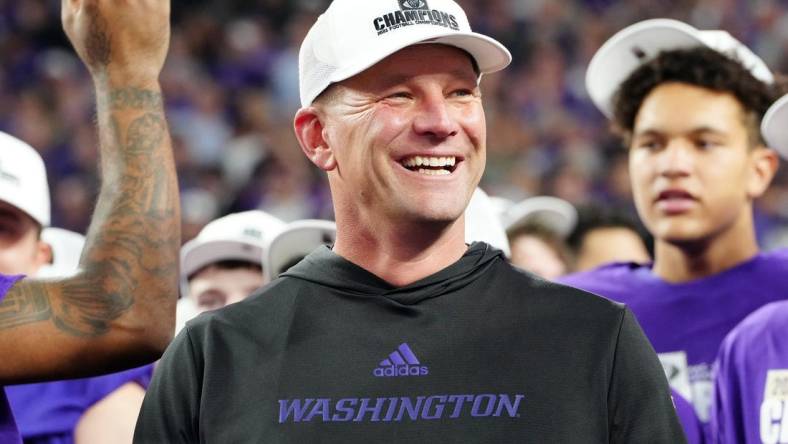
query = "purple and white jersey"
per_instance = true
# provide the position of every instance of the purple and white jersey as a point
(8, 431)
(686, 322)
(751, 386)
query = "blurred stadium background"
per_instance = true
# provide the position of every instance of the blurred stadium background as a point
(231, 87)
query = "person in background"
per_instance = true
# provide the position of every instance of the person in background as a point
(751, 371)
(605, 235)
(402, 332)
(118, 311)
(224, 263)
(689, 105)
(295, 242)
(221, 266)
(537, 228)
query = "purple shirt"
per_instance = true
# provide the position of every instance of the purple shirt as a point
(8, 430)
(49, 411)
(751, 387)
(686, 322)
(689, 420)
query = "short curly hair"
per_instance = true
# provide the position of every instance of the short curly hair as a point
(699, 66)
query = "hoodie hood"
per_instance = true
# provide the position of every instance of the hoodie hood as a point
(326, 268)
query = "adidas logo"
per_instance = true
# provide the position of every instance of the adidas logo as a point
(402, 362)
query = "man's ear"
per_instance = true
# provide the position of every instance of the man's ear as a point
(765, 162)
(308, 126)
(44, 255)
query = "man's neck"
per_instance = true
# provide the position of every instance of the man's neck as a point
(687, 261)
(401, 254)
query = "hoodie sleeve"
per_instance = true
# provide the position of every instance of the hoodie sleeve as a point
(171, 409)
(639, 403)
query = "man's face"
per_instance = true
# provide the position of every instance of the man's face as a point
(215, 287)
(21, 250)
(693, 173)
(408, 136)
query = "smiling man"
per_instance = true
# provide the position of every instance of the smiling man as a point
(689, 105)
(402, 332)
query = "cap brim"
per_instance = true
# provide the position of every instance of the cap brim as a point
(623, 53)
(490, 55)
(774, 126)
(555, 214)
(197, 255)
(299, 240)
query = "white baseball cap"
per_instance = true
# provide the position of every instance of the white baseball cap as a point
(774, 126)
(66, 250)
(297, 240)
(352, 35)
(482, 223)
(23, 179)
(240, 236)
(637, 44)
(553, 213)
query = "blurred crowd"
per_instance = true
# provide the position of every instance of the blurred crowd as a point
(231, 86)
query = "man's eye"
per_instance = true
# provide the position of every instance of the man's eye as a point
(706, 144)
(649, 145)
(462, 93)
(399, 95)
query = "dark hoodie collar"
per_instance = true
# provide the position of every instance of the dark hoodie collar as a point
(329, 269)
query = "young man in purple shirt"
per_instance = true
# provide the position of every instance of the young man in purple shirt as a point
(751, 383)
(688, 105)
(118, 311)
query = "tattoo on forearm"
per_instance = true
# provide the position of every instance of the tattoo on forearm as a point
(24, 304)
(133, 241)
(134, 98)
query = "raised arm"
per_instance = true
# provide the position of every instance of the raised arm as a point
(119, 311)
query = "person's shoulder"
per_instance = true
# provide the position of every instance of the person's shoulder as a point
(761, 323)
(622, 270)
(565, 297)
(616, 280)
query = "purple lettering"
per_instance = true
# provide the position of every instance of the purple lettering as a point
(477, 411)
(459, 400)
(321, 409)
(294, 407)
(345, 406)
(504, 402)
(406, 405)
(364, 409)
(391, 410)
(438, 412)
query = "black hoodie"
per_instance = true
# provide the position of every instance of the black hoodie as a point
(478, 352)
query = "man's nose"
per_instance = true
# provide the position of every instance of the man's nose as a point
(676, 159)
(434, 117)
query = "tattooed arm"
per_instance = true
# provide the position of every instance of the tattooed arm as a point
(119, 311)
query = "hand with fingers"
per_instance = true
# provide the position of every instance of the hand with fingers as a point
(123, 38)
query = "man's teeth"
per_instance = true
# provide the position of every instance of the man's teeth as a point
(418, 161)
(434, 172)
